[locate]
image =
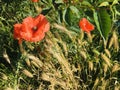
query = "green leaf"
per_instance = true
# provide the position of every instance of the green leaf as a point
(105, 22)
(71, 14)
(67, 15)
(95, 15)
(115, 2)
(59, 1)
(60, 16)
(75, 29)
(86, 3)
(104, 4)
(46, 10)
(75, 10)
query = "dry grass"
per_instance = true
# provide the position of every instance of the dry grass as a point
(67, 58)
(58, 69)
(58, 66)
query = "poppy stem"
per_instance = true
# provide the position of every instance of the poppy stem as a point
(37, 8)
(21, 48)
(81, 35)
(89, 36)
(16, 76)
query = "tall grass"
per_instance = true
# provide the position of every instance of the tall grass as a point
(65, 59)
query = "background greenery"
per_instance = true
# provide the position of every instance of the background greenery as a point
(65, 59)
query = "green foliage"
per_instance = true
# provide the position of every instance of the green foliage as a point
(65, 59)
(105, 22)
(70, 14)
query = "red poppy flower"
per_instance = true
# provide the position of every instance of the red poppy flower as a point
(85, 25)
(32, 29)
(34, 0)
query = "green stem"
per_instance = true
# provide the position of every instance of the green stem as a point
(16, 77)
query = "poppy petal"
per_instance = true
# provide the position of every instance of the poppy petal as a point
(85, 25)
(29, 21)
(43, 26)
(17, 28)
(37, 37)
(34, 0)
(41, 20)
(26, 32)
(32, 29)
